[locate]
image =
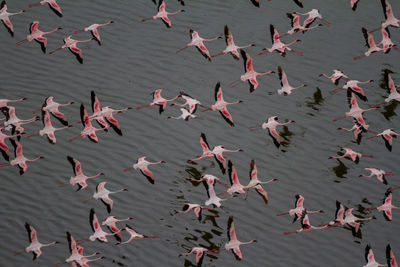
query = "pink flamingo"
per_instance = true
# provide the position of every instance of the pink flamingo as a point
(336, 76)
(93, 30)
(370, 43)
(207, 153)
(111, 223)
(142, 164)
(271, 125)
(379, 173)
(394, 95)
(20, 159)
(278, 45)
(103, 194)
(5, 151)
(163, 15)
(13, 120)
(213, 199)
(53, 107)
(256, 183)
(312, 16)
(251, 74)
(79, 178)
(391, 20)
(236, 186)
(353, 221)
(98, 234)
(35, 246)
(200, 253)
(52, 4)
(221, 105)
(386, 42)
(306, 226)
(352, 87)
(370, 258)
(158, 100)
(357, 130)
(387, 206)
(197, 41)
(299, 209)
(76, 251)
(4, 102)
(71, 44)
(5, 17)
(339, 216)
(387, 135)
(234, 244)
(286, 87)
(197, 209)
(296, 26)
(190, 102)
(349, 153)
(210, 179)
(37, 35)
(134, 235)
(185, 115)
(231, 48)
(391, 259)
(84, 260)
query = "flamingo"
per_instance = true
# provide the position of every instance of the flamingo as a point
(207, 153)
(13, 121)
(5, 151)
(197, 41)
(48, 129)
(336, 76)
(4, 102)
(379, 173)
(231, 48)
(251, 74)
(221, 105)
(391, 20)
(299, 209)
(143, 165)
(190, 102)
(111, 223)
(278, 45)
(159, 101)
(84, 260)
(52, 4)
(370, 258)
(370, 43)
(356, 112)
(296, 26)
(234, 244)
(354, 221)
(271, 124)
(71, 44)
(306, 226)
(357, 130)
(394, 95)
(197, 209)
(79, 178)
(76, 251)
(236, 186)
(134, 235)
(53, 107)
(286, 87)
(103, 194)
(89, 130)
(186, 115)
(34, 246)
(210, 179)
(349, 153)
(200, 253)
(391, 259)
(339, 215)
(353, 4)
(256, 183)
(312, 16)
(387, 135)
(37, 35)
(20, 159)
(352, 87)
(5, 17)
(93, 30)
(163, 15)
(98, 234)
(213, 199)
(387, 206)
(386, 42)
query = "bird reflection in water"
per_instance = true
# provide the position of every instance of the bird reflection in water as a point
(340, 170)
(316, 100)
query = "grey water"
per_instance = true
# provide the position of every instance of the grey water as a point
(135, 59)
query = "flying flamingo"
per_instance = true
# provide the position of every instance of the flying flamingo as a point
(210, 179)
(234, 244)
(221, 105)
(4, 102)
(52, 4)
(286, 87)
(20, 159)
(197, 209)
(48, 129)
(93, 30)
(197, 41)
(89, 130)
(387, 135)
(5, 151)
(356, 112)
(391, 20)
(394, 95)
(207, 153)
(213, 199)
(370, 43)
(4, 17)
(357, 130)
(379, 173)
(134, 235)
(231, 48)
(37, 35)
(299, 209)
(354, 221)
(185, 115)
(76, 251)
(236, 186)
(84, 260)
(111, 223)
(200, 253)
(349, 153)
(143, 165)
(256, 183)
(386, 42)
(271, 125)
(353, 4)
(163, 15)
(352, 87)
(13, 120)
(296, 26)
(391, 259)
(79, 178)
(278, 45)
(251, 74)
(158, 100)
(190, 101)
(306, 226)
(98, 234)
(103, 194)
(339, 215)
(34, 246)
(336, 76)
(53, 107)
(387, 206)
(370, 258)
(71, 44)
(312, 16)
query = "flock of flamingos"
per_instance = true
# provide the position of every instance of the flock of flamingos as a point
(105, 117)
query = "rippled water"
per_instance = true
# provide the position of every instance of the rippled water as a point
(137, 58)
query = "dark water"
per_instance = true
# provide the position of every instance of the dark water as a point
(134, 60)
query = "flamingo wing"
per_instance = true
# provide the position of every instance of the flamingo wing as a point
(7, 23)
(56, 8)
(218, 92)
(233, 177)
(108, 202)
(388, 214)
(161, 6)
(166, 21)
(199, 257)
(248, 61)
(299, 201)
(275, 136)
(237, 253)
(95, 102)
(203, 50)
(77, 52)
(353, 4)
(282, 77)
(253, 84)
(228, 36)
(71, 244)
(256, 2)
(227, 116)
(369, 254)
(253, 170)
(262, 193)
(148, 174)
(36, 253)
(96, 35)
(5, 150)
(114, 124)
(59, 116)
(197, 212)
(34, 27)
(385, 8)
(94, 222)
(204, 143)
(299, 3)
(221, 162)
(388, 141)
(51, 138)
(81, 185)
(231, 229)
(391, 260)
